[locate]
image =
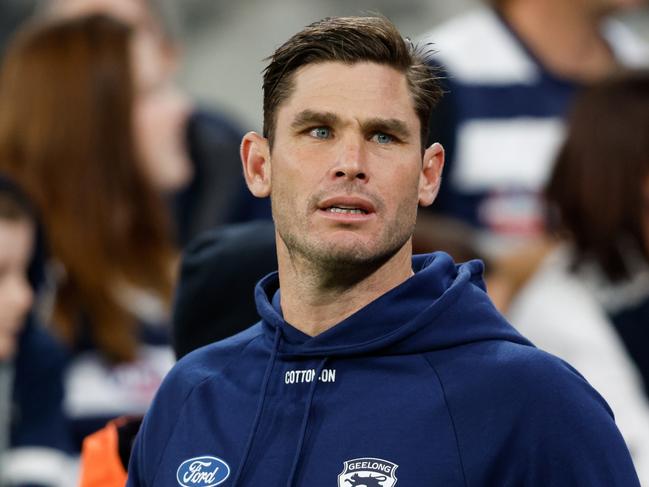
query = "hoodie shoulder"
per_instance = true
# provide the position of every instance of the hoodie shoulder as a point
(525, 417)
(206, 361)
(201, 365)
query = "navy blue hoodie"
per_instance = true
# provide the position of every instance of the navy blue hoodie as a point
(427, 385)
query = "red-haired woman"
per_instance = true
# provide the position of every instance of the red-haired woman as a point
(75, 102)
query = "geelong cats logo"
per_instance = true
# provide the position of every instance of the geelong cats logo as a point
(368, 472)
(202, 472)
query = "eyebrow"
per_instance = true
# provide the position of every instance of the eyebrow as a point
(389, 125)
(310, 117)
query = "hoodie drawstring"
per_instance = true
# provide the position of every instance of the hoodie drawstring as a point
(260, 407)
(305, 421)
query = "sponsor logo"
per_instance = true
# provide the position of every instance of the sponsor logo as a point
(202, 472)
(308, 375)
(368, 472)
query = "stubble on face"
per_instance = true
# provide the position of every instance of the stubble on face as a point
(354, 258)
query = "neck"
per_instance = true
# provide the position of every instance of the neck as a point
(315, 299)
(564, 35)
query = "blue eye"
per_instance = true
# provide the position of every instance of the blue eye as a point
(382, 138)
(321, 132)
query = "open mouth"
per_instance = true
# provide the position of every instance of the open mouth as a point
(346, 210)
(352, 206)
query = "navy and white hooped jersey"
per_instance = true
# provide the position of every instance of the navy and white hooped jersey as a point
(502, 119)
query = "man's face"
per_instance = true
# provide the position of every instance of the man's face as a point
(346, 164)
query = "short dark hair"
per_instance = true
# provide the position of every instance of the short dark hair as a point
(350, 40)
(596, 186)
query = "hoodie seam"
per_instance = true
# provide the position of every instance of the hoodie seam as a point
(190, 392)
(450, 415)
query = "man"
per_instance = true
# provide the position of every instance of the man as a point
(369, 367)
(512, 69)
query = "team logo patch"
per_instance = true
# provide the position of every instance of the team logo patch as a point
(368, 472)
(202, 472)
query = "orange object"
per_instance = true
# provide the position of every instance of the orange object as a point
(100, 462)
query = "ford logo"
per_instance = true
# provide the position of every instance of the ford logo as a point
(202, 472)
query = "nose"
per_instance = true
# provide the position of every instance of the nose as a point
(351, 163)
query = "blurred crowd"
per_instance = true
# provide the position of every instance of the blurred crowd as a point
(128, 239)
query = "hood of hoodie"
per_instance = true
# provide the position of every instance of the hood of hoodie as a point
(442, 305)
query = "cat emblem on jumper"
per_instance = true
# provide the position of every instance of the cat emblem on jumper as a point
(368, 472)
(357, 481)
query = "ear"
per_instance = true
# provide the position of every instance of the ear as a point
(255, 157)
(431, 174)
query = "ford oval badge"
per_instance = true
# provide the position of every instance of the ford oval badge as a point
(202, 472)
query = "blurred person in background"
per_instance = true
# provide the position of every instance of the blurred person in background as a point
(33, 429)
(16, 243)
(512, 68)
(194, 154)
(216, 287)
(70, 134)
(585, 297)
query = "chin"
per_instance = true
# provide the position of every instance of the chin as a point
(345, 250)
(353, 255)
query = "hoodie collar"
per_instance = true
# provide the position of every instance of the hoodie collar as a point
(441, 305)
